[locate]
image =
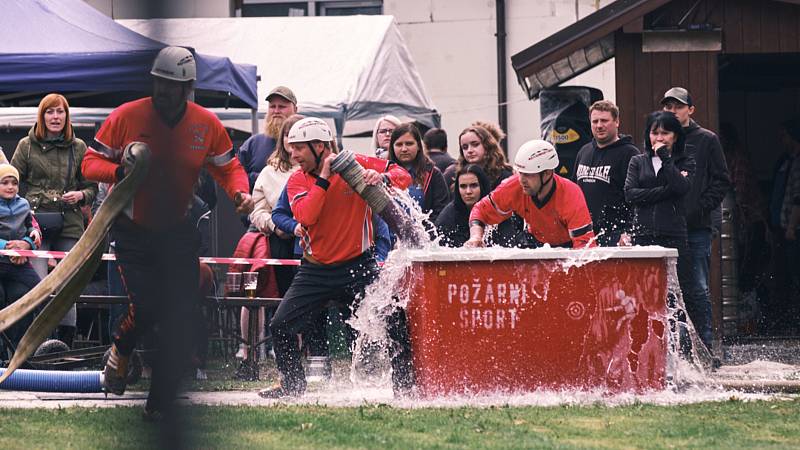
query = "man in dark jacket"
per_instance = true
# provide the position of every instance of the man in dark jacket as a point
(600, 169)
(256, 149)
(435, 141)
(710, 184)
(782, 314)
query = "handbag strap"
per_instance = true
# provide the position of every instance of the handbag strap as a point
(69, 165)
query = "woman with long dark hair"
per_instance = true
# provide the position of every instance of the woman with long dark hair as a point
(479, 144)
(428, 187)
(471, 185)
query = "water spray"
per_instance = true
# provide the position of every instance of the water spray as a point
(377, 197)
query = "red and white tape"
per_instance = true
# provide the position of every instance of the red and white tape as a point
(112, 257)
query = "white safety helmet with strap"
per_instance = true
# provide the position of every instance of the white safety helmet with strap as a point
(308, 130)
(536, 156)
(175, 63)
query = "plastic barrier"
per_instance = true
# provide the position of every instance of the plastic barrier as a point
(488, 320)
(53, 381)
(111, 257)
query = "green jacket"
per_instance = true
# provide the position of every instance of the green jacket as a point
(42, 167)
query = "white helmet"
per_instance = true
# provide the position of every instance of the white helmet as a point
(536, 156)
(175, 63)
(310, 129)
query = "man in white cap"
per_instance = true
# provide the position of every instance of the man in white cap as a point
(553, 207)
(156, 244)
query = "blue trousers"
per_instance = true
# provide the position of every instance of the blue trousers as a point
(698, 300)
(16, 281)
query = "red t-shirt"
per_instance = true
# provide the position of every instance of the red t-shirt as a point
(176, 156)
(337, 220)
(559, 219)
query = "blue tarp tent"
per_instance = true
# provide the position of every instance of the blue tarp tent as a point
(69, 47)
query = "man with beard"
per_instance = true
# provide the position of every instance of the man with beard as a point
(600, 170)
(156, 242)
(255, 150)
(551, 205)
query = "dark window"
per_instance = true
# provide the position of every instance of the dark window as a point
(367, 8)
(256, 8)
(275, 9)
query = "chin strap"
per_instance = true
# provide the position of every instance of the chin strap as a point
(542, 183)
(317, 156)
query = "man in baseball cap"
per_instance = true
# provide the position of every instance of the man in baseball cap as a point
(256, 149)
(711, 183)
(678, 93)
(678, 101)
(283, 92)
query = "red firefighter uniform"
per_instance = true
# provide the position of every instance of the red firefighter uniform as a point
(337, 220)
(561, 218)
(178, 153)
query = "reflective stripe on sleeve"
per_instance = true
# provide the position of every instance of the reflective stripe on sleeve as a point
(107, 152)
(496, 208)
(223, 159)
(581, 231)
(298, 196)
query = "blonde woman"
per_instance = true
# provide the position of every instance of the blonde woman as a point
(382, 134)
(267, 189)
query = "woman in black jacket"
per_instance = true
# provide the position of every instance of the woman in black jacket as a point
(471, 185)
(657, 183)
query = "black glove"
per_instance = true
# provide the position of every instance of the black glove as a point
(119, 173)
(663, 153)
(125, 166)
(127, 163)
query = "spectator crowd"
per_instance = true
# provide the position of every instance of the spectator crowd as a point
(663, 187)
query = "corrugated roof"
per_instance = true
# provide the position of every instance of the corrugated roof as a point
(578, 47)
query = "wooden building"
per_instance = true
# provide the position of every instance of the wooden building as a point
(740, 60)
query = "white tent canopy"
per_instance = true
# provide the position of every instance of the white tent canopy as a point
(345, 68)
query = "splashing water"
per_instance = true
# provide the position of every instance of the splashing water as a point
(687, 357)
(688, 361)
(372, 352)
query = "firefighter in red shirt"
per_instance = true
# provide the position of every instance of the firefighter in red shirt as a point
(156, 244)
(553, 207)
(338, 262)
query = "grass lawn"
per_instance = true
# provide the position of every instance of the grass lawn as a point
(726, 425)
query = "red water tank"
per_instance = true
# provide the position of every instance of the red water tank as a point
(490, 320)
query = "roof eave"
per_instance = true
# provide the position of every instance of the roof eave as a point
(580, 34)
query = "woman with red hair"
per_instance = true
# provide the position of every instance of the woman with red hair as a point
(49, 164)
